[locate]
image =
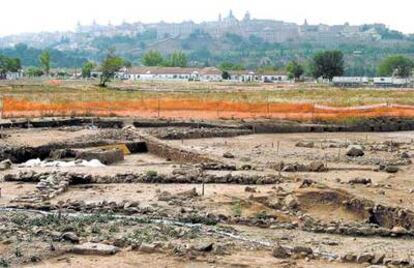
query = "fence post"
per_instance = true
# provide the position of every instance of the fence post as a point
(158, 107)
(2, 106)
(267, 105)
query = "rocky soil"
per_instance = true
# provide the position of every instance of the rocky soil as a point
(208, 197)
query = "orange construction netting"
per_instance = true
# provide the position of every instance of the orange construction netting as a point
(197, 109)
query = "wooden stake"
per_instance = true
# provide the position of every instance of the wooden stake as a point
(278, 147)
(159, 107)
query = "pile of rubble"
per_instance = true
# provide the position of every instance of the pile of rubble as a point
(315, 166)
(149, 177)
(47, 188)
(174, 133)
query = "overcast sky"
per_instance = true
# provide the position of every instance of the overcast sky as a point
(19, 16)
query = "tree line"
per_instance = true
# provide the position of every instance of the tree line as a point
(324, 64)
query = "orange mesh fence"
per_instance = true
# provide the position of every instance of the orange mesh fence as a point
(197, 109)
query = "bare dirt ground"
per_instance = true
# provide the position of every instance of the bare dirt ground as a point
(269, 200)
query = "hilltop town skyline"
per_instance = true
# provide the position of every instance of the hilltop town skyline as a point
(64, 18)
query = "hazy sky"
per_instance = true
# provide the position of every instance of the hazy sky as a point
(48, 15)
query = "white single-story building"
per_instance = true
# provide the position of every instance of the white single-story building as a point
(273, 77)
(350, 81)
(243, 76)
(266, 77)
(13, 75)
(170, 73)
(391, 82)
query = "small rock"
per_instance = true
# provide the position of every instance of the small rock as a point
(279, 166)
(305, 144)
(204, 247)
(364, 257)
(306, 183)
(360, 181)
(405, 155)
(391, 169)
(5, 165)
(317, 166)
(131, 204)
(70, 236)
(291, 201)
(378, 259)
(228, 155)
(249, 189)
(303, 250)
(95, 249)
(399, 230)
(147, 248)
(355, 151)
(280, 252)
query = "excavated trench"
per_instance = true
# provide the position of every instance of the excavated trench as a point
(358, 209)
(380, 124)
(21, 154)
(388, 217)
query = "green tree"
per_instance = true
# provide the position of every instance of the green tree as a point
(34, 72)
(152, 58)
(87, 69)
(127, 64)
(396, 66)
(295, 70)
(226, 75)
(228, 66)
(328, 64)
(3, 67)
(45, 60)
(177, 59)
(8, 65)
(109, 67)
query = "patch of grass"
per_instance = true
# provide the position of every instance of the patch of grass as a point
(4, 263)
(18, 253)
(144, 235)
(151, 173)
(114, 228)
(262, 215)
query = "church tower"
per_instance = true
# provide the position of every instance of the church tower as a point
(247, 16)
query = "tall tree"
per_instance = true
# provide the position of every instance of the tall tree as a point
(152, 58)
(8, 65)
(328, 64)
(109, 67)
(295, 70)
(45, 60)
(396, 66)
(34, 72)
(3, 67)
(178, 59)
(87, 69)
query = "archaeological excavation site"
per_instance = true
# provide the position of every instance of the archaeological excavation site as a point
(107, 192)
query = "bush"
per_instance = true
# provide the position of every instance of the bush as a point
(152, 173)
